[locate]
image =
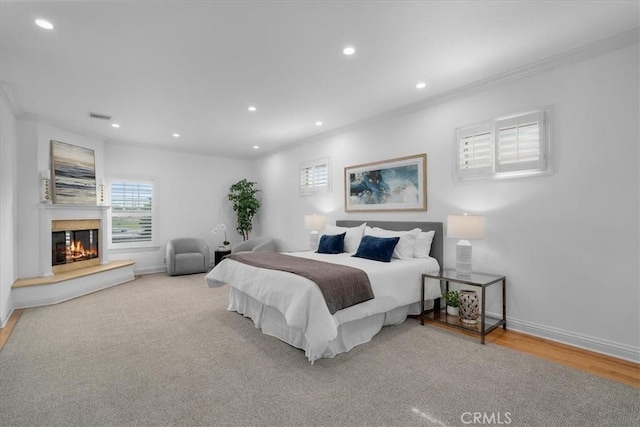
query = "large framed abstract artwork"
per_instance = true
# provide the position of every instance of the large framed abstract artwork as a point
(74, 174)
(391, 185)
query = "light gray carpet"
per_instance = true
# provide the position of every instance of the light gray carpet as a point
(164, 351)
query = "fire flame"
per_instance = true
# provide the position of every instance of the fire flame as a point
(76, 250)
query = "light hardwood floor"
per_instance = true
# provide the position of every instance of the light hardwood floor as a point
(11, 323)
(594, 363)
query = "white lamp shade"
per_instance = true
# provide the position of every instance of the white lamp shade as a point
(314, 222)
(469, 227)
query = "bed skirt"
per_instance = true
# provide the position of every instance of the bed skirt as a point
(350, 334)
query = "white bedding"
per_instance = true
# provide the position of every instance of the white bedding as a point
(396, 286)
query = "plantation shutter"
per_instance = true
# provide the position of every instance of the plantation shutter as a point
(474, 151)
(520, 143)
(131, 212)
(314, 177)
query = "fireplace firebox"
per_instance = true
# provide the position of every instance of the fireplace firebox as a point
(74, 244)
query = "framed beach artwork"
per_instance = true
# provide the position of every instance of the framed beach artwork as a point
(391, 185)
(74, 174)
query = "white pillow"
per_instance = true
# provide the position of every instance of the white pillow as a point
(422, 245)
(404, 248)
(351, 239)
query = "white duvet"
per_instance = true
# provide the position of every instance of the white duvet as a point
(299, 300)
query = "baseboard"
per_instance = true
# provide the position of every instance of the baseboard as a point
(597, 345)
(154, 270)
(151, 270)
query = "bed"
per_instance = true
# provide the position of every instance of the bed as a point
(292, 308)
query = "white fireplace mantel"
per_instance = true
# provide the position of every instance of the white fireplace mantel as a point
(51, 212)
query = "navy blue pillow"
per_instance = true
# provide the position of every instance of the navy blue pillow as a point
(377, 248)
(331, 244)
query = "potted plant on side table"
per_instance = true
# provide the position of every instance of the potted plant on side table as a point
(225, 244)
(451, 298)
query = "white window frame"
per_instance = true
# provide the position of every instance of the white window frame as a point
(312, 167)
(519, 165)
(150, 244)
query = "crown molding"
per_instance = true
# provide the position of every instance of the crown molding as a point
(60, 125)
(591, 50)
(607, 45)
(10, 99)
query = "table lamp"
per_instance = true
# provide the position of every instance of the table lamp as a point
(465, 227)
(315, 223)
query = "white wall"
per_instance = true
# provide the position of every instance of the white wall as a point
(191, 196)
(568, 242)
(8, 190)
(33, 157)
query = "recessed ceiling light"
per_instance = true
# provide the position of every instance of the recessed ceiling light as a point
(176, 135)
(43, 23)
(252, 108)
(255, 147)
(318, 123)
(349, 50)
(115, 125)
(421, 85)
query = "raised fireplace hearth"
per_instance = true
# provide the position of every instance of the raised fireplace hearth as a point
(81, 249)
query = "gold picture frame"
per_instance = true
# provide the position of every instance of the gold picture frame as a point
(398, 185)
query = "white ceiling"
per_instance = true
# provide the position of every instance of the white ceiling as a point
(193, 67)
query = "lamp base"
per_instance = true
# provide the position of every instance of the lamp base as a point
(463, 257)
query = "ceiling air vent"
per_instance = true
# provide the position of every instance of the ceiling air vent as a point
(99, 116)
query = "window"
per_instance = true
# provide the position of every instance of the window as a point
(132, 213)
(520, 143)
(506, 147)
(314, 177)
(474, 152)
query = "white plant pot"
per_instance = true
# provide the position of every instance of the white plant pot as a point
(452, 310)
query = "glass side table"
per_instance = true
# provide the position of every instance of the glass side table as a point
(485, 323)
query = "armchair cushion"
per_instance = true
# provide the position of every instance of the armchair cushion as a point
(187, 256)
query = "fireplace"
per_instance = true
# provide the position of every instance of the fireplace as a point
(74, 244)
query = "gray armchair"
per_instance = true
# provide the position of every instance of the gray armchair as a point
(187, 255)
(254, 245)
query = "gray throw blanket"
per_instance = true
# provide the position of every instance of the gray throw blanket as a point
(341, 286)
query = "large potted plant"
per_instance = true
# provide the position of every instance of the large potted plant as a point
(242, 195)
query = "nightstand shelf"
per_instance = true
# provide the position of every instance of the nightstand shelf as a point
(486, 323)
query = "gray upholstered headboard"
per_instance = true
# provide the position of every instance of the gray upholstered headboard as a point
(436, 245)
